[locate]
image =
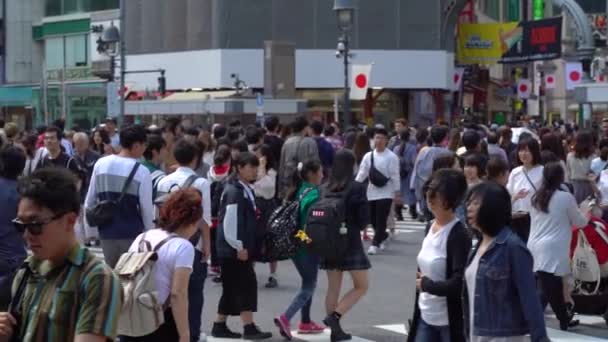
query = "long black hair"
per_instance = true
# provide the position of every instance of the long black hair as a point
(553, 177)
(266, 151)
(299, 177)
(342, 171)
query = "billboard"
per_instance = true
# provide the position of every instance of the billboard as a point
(514, 42)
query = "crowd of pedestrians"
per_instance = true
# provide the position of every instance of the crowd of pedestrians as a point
(498, 214)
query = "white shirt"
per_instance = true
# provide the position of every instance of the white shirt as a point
(550, 233)
(387, 163)
(177, 179)
(266, 185)
(432, 262)
(115, 141)
(603, 186)
(174, 254)
(518, 181)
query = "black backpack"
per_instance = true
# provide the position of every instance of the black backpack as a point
(326, 226)
(280, 241)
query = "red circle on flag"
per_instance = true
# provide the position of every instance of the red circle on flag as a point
(575, 76)
(523, 88)
(550, 79)
(361, 81)
(456, 78)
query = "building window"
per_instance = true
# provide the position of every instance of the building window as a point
(592, 6)
(68, 51)
(491, 8)
(61, 7)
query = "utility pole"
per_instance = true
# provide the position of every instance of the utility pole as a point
(123, 59)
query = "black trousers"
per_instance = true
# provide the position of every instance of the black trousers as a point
(379, 211)
(551, 290)
(239, 288)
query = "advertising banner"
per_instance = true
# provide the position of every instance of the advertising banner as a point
(510, 42)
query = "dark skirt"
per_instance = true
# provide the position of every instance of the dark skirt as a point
(239, 288)
(166, 332)
(355, 259)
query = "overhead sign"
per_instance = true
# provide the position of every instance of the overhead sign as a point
(510, 42)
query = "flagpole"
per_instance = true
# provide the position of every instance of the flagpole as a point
(348, 120)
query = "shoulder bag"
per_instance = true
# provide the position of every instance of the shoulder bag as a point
(102, 213)
(376, 177)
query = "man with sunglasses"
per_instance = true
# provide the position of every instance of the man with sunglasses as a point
(62, 292)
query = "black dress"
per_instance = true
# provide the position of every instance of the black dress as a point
(357, 218)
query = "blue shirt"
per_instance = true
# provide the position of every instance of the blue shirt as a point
(326, 154)
(12, 245)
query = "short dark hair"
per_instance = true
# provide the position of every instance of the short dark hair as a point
(528, 142)
(12, 162)
(54, 129)
(155, 143)
(381, 131)
(132, 134)
(496, 167)
(219, 131)
(246, 158)
(253, 135)
(171, 125)
(401, 121)
(234, 133)
(329, 130)
(444, 161)
(470, 139)
(222, 155)
(272, 123)
(192, 131)
(185, 152)
(53, 188)
(474, 160)
(495, 207)
(439, 133)
(59, 123)
(240, 145)
(450, 184)
(299, 124)
(317, 127)
(266, 151)
(234, 123)
(112, 120)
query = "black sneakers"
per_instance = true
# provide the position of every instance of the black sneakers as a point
(337, 334)
(220, 330)
(252, 332)
(272, 283)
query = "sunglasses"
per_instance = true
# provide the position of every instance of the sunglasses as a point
(35, 228)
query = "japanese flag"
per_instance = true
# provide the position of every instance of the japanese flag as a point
(360, 81)
(457, 79)
(574, 75)
(524, 88)
(550, 81)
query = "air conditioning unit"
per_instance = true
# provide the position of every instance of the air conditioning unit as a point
(102, 69)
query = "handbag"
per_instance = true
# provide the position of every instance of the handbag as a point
(376, 177)
(15, 306)
(102, 213)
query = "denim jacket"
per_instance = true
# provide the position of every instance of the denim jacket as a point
(506, 302)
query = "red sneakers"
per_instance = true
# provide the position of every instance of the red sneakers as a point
(283, 324)
(310, 328)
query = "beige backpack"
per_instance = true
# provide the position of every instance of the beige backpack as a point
(142, 313)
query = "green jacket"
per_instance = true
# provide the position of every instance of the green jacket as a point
(305, 203)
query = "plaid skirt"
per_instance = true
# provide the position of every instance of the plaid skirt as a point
(355, 259)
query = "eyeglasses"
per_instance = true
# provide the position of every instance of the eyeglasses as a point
(35, 228)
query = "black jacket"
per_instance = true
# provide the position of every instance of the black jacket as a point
(458, 247)
(237, 221)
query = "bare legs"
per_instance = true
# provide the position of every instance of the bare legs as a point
(332, 300)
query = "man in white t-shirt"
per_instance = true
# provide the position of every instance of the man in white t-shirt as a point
(380, 196)
(188, 156)
(110, 127)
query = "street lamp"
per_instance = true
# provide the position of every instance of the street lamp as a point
(345, 13)
(110, 37)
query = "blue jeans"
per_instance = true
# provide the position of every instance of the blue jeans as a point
(431, 333)
(308, 268)
(195, 295)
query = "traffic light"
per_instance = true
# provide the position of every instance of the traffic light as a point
(162, 85)
(538, 9)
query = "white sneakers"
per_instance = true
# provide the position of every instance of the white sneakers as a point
(373, 250)
(382, 246)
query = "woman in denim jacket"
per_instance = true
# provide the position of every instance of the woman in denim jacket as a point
(500, 299)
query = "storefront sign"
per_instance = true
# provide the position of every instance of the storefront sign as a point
(74, 74)
(510, 42)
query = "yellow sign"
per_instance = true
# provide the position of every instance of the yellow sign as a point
(487, 43)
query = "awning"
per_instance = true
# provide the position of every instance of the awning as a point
(16, 96)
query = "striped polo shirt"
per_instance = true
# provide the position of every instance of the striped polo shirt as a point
(81, 296)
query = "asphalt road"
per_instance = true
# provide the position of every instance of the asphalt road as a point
(382, 313)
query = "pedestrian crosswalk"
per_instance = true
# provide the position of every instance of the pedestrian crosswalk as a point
(401, 330)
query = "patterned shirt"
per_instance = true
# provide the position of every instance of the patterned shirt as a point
(81, 296)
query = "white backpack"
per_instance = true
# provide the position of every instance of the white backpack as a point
(142, 313)
(585, 267)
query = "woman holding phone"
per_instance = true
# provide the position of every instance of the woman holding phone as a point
(523, 183)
